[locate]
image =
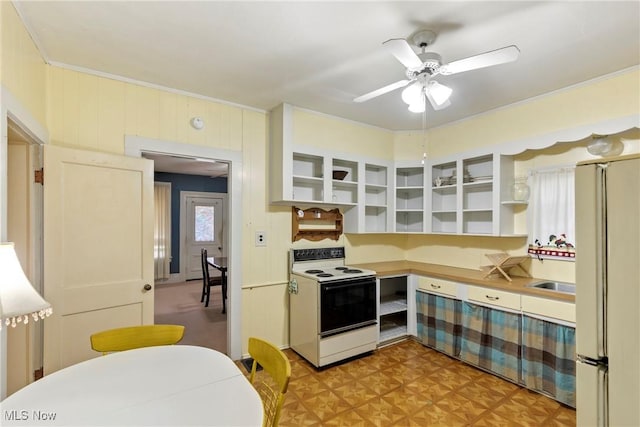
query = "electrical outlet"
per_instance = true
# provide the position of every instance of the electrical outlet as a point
(261, 238)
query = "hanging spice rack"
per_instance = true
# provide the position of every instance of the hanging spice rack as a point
(315, 224)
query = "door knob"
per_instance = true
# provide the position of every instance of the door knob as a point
(147, 287)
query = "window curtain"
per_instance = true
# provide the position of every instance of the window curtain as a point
(551, 213)
(162, 230)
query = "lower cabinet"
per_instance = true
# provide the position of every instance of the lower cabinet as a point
(533, 351)
(548, 358)
(439, 322)
(491, 340)
(393, 308)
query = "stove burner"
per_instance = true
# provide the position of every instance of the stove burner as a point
(342, 268)
(325, 275)
(313, 271)
(352, 270)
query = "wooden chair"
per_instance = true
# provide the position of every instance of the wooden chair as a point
(131, 337)
(208, 282)
(272, 386)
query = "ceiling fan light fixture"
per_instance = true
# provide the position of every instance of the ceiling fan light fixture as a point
(418, 106)
(412, 93)
(438, 94)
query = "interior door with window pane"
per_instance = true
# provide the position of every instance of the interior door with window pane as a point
(205, 217)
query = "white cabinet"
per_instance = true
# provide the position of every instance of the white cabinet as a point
(344, 188)
(372, 214)
(307, 183)
(493, 297)
(463, 194)
(393, 308)
(467, 193)
(376, 198)
(478, 195)
(549, 309)
(438, 315)
(444, 198)
(409, 199)
(310, 176)
(438, 286)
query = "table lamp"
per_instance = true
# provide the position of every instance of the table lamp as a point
(18, 298)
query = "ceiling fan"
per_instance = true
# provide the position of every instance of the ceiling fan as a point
(421, 68)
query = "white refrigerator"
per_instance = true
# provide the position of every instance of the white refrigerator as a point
(608, 292)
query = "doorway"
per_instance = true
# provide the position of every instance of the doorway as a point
(202, 226)
(24, 229)
(138, 146)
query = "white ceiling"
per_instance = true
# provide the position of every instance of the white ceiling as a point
(187, 165)
(320, 55)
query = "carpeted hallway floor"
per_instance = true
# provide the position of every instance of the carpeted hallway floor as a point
(179, 303)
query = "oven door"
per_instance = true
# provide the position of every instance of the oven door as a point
(347, 304)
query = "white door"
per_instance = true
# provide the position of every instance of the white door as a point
(204, 229)
(98, 249)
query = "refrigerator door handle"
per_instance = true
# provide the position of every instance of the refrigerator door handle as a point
(602, 259)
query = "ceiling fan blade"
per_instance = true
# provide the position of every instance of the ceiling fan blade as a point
(487, 59)
(403, 52)
(382, 90)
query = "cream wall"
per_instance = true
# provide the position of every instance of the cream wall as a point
(21, 66)
(340, 135)
(605, 98)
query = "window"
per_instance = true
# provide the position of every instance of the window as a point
(204, 221)
(551, 214)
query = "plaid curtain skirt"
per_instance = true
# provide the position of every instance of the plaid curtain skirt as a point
(491, 340)
(535, 353)
(549, 359)
(439, 322)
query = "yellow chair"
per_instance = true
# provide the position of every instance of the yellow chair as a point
(131, 337)
(272, 388)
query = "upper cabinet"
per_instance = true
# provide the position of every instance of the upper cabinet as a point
(409, 198)
(471, 195)
(311, 176)
(460, 195)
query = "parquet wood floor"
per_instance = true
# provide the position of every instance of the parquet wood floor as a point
(407, 384)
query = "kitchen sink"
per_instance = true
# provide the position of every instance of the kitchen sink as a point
(568, 288)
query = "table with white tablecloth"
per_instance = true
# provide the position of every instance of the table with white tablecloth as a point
(166, 385)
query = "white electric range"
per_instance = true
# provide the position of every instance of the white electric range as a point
(332, 307)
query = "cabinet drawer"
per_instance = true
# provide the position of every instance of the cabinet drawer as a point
(494, 297)
(549, 308)
(438, 286)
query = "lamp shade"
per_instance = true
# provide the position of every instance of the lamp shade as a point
(18, 299)
(418, 106)
(413, 93)
(438, 95)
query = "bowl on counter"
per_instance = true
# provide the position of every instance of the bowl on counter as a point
(339, 175)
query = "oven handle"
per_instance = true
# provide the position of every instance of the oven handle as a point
(348, 328)
(350, 283)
